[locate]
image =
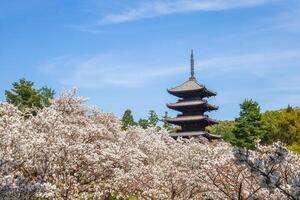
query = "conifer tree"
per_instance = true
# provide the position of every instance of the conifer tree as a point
(127, 120)
(249, 125)
(153, 118)
(23, 95)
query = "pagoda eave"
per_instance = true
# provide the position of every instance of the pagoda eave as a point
(186, 119)
(195, 133)
(192, 93)
(201, 105)
(182, 103)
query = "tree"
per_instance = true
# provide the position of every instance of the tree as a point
(151, 121)
(153, 118)
(284, 126)
(127, 120)
(71, 151)
(46, 94)
(249, 125)
(224, 129)
(289, 126)
(144, 123)
(23, 95)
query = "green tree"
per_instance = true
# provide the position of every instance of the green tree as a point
(272, 120)
(283, 125)
(153, 118)
(249, 125)
(151, 121)
(23, 95)
(144, 123)
(224, 129)
(47, 94)
(127, 120)
(289, 127)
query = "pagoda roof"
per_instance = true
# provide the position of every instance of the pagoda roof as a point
(195, 133)
(187, 103)
(191, 85)
(191, 103)
(189, 118)
(185, 118)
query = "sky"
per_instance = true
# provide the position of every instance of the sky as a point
(126, 54)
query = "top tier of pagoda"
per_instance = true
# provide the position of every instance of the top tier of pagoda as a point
(192, 105)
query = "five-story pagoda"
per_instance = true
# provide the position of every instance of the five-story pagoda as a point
(192, 105)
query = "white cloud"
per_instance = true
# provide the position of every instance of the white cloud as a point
(160, 7)
(257, 61)
(112, 70)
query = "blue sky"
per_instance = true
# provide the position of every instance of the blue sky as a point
(125, 54)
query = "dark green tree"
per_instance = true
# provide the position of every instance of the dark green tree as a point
(23, 95)
(249, 125)
(144, 123)
(127, 120)
(153, 118)
(47, 94)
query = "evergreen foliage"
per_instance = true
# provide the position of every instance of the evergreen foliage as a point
(127, 120)
(23, 95)
(153, 118)
(249, 125)
(277, 126)
(144, 123)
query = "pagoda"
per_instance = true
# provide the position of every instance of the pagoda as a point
(192, 105)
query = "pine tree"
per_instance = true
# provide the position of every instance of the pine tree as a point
(249, 125)
(23, 95)
(153, 118)
(127, 120)
(151, 121)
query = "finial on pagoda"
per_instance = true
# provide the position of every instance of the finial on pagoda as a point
(192, 65)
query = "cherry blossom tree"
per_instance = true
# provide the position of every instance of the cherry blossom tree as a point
(72, 151)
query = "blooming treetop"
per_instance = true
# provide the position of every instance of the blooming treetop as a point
(71, 151)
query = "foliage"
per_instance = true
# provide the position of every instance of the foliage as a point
(144, 123)
(295, 147)
(153, 118)
(277, 126)
(127, 120)
(71, 151)
(23, 95)
(249, 125)
(175, 129)
(284, 126)
(151, 121)
(224, 129)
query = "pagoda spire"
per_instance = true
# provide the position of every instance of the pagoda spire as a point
(192, 65)
(192, 105)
